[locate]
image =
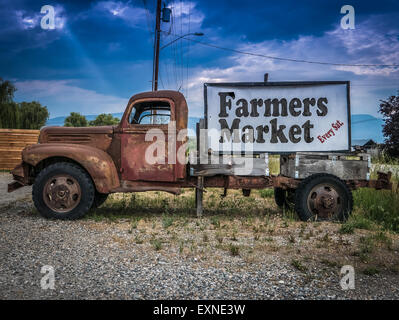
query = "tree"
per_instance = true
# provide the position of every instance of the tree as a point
(7, 90)
(104, 120)
(24, 115)
(390, 111)
(32, 115)
(75, 119)
(9, 117)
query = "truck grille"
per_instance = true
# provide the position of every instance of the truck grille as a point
(69, 138)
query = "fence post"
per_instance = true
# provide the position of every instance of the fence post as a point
(199, 193)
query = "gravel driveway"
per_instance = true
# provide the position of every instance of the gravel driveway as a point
(96, 260)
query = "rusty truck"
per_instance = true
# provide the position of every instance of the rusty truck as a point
(75, 169)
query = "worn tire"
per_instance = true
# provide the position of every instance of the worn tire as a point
(306, 193)
(99, 199)
(282, 198)
(80, 176)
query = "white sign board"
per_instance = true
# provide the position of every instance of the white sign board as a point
(278, 116)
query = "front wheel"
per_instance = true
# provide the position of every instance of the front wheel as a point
(323, 197)
(63, 190)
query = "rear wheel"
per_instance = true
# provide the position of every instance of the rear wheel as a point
(323, 197)
(63, 190)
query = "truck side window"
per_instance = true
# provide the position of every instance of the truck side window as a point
(157, 112)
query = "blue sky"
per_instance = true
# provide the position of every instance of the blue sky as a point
(100, 52)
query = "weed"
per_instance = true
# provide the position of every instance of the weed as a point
(215, 222)
(329, 263)
(234, 250)
(167, 221)
(234, 237)
(326, 238)
(157, 244)
(266, 193)
(346, 228)
(219, 237)
(138, 240)
(371, 271)
(298, 265)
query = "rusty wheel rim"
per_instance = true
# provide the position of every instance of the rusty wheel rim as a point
(324, 202)
(62, 193)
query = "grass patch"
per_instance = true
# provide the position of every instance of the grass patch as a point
(298, 265)
(167, 221)
(379, 206)
(366, 247)
(234, 250)
(346, 228)
(371, 271)
(330, 263)
(266, 193)
(157, 244)
(357, 221)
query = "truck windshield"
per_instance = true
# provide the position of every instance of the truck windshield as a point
(157, 112)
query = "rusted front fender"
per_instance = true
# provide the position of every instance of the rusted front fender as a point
(96, 162)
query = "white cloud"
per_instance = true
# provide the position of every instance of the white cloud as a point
(132, 15)
(186, 17)
(372, 42)
(68, 97)
(30, 20)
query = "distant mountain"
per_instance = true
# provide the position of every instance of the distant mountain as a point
(364, 126)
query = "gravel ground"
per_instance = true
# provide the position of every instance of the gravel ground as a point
(92, 261)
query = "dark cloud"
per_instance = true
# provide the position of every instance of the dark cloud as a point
(106, 46)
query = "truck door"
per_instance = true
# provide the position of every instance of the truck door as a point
(137, 161)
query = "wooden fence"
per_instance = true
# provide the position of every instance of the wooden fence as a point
(12, 141)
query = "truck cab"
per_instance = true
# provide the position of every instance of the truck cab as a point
(74, 169)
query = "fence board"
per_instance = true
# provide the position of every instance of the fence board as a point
(12, 142)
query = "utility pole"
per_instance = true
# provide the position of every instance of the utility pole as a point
(156, 47)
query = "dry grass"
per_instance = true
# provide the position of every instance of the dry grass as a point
(252, 229)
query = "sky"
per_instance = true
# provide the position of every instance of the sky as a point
(100, 53)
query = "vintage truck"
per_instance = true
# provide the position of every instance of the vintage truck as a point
(74, 169)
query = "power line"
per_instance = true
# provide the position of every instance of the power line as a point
(148, 16)
(287, 59)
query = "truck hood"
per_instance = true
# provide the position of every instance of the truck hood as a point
(99, 137)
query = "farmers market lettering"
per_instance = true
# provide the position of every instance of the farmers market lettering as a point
(274, 109)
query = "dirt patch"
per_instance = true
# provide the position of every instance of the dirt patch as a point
(24, 193)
